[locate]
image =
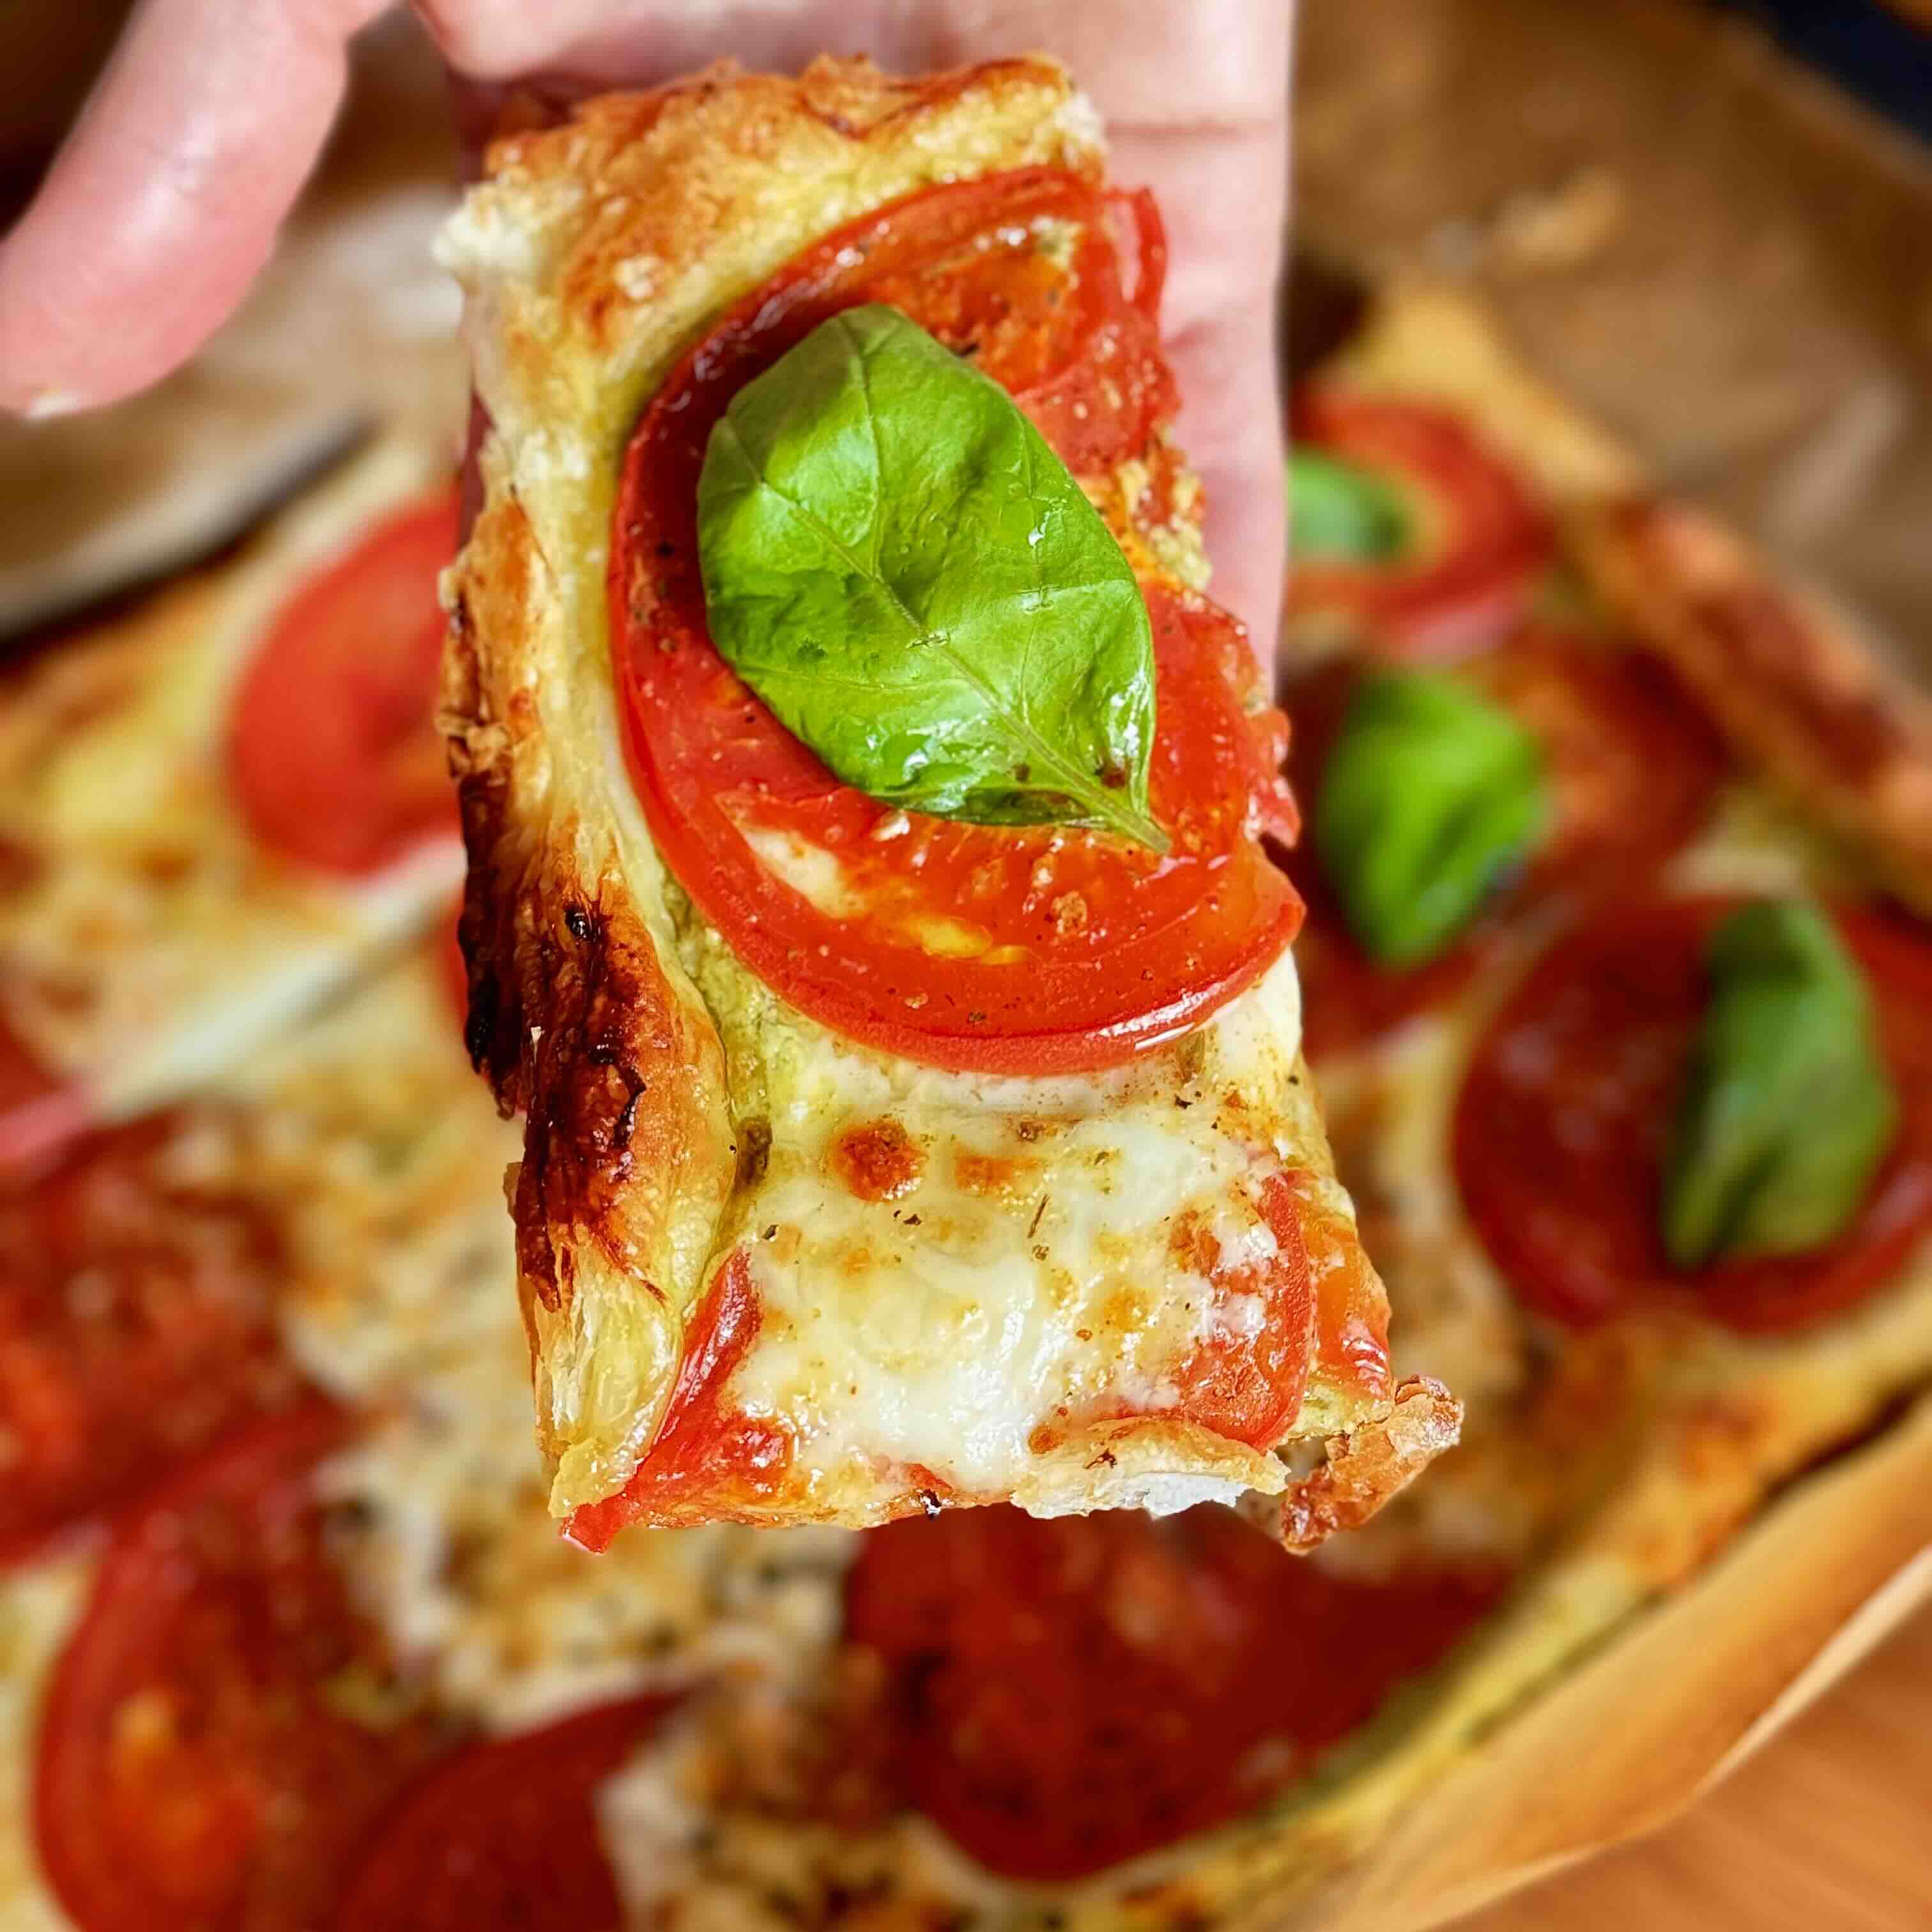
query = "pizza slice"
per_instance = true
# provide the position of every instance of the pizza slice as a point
(220, 805)
(867, 905)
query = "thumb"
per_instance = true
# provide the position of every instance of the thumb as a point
(167, 198)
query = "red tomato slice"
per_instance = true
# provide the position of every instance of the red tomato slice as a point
(1564, 1113)
(135, 1326)
(1478, 544)
(198, 1766)
(333, 749)
(1079, 350)
(505, 1835)
(706, 1455)
(996, 949)
(1245, 1386)
(1631, 766)
(1064, 1695)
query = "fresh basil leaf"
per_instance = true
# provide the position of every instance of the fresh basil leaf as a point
(896, 562)
(1339, 511)
(1428, 793)
(1786, 1109)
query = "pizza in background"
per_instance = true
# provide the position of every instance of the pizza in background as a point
(216, 807)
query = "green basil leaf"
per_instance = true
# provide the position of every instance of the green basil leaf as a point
(1429, 793)
(1786, 1109)
(1339, 511)
(896, 562)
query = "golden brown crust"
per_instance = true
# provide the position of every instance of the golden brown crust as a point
(1365, 1469)
(1799, 694)
(577, 1023)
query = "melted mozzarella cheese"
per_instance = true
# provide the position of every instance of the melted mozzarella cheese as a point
(1027, 1269)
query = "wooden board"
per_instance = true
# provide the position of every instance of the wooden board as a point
(1830, 1825)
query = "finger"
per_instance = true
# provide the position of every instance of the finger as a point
(1223, 192)
(167, 198)
(1229, 428)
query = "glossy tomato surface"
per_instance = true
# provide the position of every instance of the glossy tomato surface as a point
(706, 1449)
(997, 949)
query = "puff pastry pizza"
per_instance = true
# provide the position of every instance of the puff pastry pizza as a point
(867, 909)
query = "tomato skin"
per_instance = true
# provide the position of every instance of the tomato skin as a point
(1631, 766)
(333, 751)
(504, 1835)
(1080, 951)
(1245, 1387)
(1485, 541)
(704, 1452)
(193, 1771)
(1599, 1030)
(135, 1326)
(1063, 1695)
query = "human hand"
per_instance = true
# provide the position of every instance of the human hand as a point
(166, 199)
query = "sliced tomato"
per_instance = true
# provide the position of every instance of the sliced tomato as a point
(1245, 1379)
(1063, 1695)
(982, 266)
(1565, 1112)
(996, 949)
(1247, 1382)
(1248, 1386)
(504, 1835)
(1472, 541)
(333, 750)
(199, 1764)
(1631, 766)
(708, 1460)
(136, 1325)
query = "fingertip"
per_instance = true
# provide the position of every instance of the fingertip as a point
(167, 199)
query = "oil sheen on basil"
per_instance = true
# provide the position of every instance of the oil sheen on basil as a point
(900, 567)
